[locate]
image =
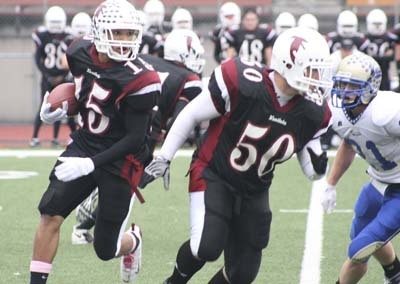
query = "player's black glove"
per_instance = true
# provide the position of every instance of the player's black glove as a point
(319, 162)
(159, 167)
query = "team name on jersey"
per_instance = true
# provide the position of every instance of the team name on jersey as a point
(90, 71)
(277, 119)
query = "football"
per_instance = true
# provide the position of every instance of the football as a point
(61, 93)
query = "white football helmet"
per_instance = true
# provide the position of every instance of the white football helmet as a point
(55, 19)
(143, 19)
(81, 24)
(155, 12)
(184, 46)
(112, 15)
(347, 23)
(229, 15)
(182, 19)
(356, 82)
(284, 21)
(308, 21)
(301, 56)
(376, 22)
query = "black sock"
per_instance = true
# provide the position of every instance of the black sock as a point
(186, 265)
(219, 278)
(38, 277)
(392, 269)
(338, 281)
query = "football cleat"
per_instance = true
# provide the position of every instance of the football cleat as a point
(35, 142)
(81, 236)
(131, 263)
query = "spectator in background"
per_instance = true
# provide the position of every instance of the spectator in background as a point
(251, 42)
(229, 19)
(51, 42)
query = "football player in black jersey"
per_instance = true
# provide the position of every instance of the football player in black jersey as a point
(149, 45)
(382, 44)
(157, 27)
(229, 19)
(116, 91)
(347, 27)
(180, 84)
(284, 21)
(51, 42)
(259, 118)
(251, 42)
(178, 71)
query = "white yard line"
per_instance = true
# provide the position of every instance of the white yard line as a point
(310, 267)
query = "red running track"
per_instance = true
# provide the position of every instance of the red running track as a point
(19, 135)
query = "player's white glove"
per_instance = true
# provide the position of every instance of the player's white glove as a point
(159, 167)
(48, 116)
(73, 167)
(329, 198)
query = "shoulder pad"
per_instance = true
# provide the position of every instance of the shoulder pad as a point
(385, 107)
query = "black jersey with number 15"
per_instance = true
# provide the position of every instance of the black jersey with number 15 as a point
(103, 89)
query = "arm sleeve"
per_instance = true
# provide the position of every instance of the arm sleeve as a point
(178, 108)
(135, 109)
(131, 143)
(198, 110)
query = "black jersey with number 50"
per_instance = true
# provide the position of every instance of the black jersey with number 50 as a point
(254, 132)
(103, 89)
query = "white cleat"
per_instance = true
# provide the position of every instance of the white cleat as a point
(131, 263)
(81, 236)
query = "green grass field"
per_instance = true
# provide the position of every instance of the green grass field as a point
(164, 222)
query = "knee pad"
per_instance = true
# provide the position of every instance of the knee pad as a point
(104, 252)
(255, 230)
(213, 238)
(208, 252)
(362, 248)
(245, 270)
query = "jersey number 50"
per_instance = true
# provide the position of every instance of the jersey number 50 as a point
(246, 154)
